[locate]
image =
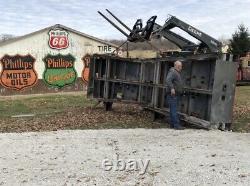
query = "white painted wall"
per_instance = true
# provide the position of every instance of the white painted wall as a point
(37, 45)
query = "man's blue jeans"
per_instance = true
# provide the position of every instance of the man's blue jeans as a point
(174, 117)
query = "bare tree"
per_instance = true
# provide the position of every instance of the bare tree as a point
(5, 37)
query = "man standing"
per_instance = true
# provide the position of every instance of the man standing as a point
(174, 89)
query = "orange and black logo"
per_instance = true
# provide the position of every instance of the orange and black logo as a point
(18, 71)
(85, 72)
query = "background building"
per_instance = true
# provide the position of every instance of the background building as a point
(49, 60)
(244, 68)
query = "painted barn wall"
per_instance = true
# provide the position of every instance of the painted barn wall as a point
(37, 45)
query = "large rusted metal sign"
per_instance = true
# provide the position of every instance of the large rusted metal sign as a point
(209, 86)
(18, 71)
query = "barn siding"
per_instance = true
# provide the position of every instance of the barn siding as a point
(37, 45)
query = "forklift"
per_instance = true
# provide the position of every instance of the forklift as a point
(153, 30)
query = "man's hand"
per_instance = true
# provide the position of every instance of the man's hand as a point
(172, 92)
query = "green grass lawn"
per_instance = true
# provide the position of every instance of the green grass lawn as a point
(66, 112)
(242, 109)
(242, 95)
(42, 105)
(69, 111)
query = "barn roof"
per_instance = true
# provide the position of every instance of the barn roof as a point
(57, 26)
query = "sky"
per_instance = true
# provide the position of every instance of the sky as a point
(218, 18)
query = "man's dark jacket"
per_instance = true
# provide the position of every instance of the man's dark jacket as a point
(174, 81)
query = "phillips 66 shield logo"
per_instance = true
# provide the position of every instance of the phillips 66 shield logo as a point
(59, 70)
(18, 71)
(58, 39)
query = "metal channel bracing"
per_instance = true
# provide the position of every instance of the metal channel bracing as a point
(209, 86)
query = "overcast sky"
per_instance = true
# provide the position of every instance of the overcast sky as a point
(215, 17)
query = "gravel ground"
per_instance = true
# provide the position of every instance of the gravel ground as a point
(189, 157)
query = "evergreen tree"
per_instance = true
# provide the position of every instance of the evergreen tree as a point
(240, 42)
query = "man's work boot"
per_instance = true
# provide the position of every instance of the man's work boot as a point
(179, 128)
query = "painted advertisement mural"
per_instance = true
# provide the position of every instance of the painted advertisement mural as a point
(59, 70)
(18, 71)
(58, 39)
(85, 72)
